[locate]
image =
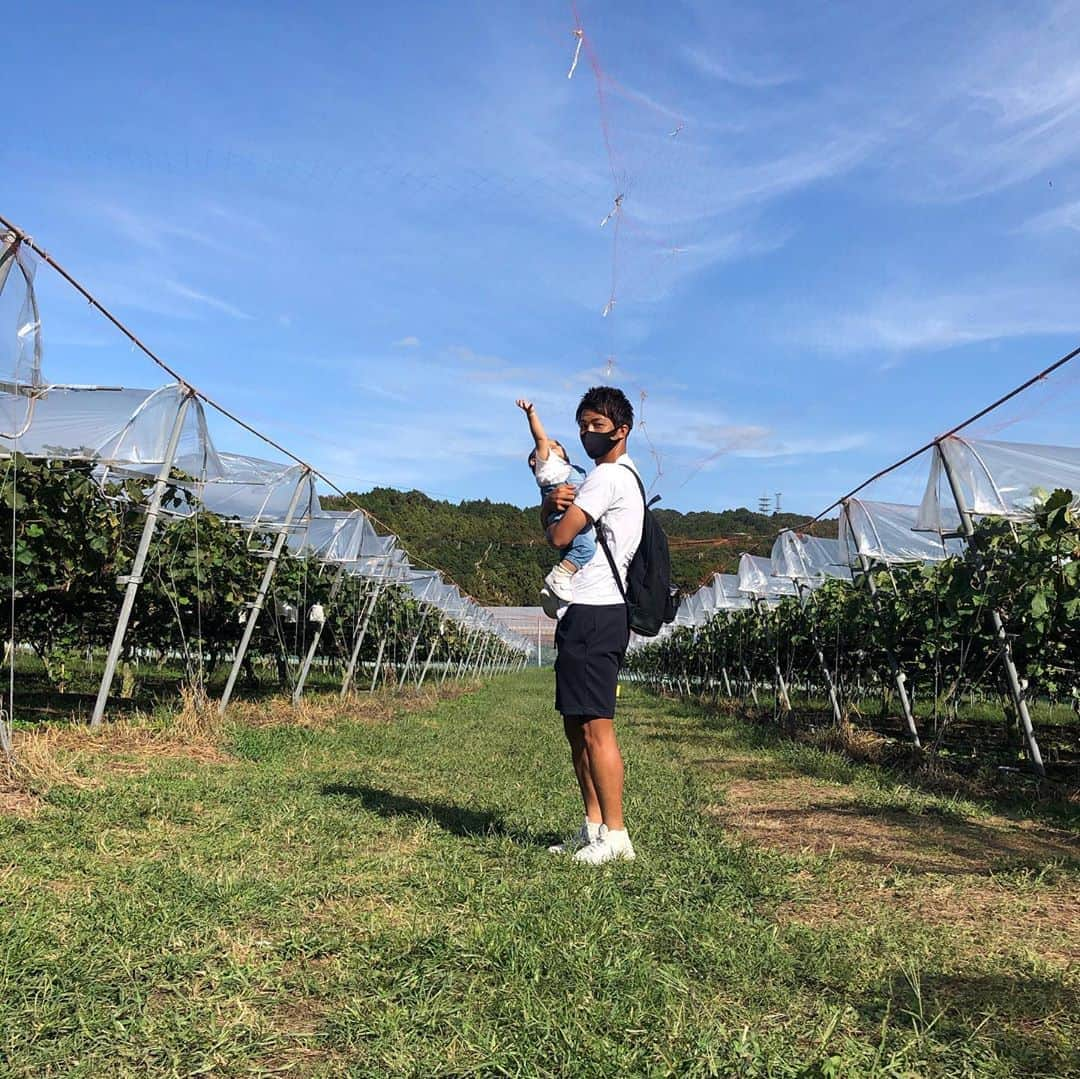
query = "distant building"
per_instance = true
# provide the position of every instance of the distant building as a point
(532, 624)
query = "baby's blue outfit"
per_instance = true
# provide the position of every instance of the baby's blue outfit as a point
(583, 546)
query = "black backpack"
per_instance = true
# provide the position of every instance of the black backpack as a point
(648, 593)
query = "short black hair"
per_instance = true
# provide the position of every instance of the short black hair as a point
(608, 401)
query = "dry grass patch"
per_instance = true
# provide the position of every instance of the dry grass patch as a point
(779, 808)
(80, 757)
(15, 799)
(77, 756)
(991, 880)
(325, 710)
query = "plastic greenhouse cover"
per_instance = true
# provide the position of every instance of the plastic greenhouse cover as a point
(885, 532)
(809, 559)
(385, 566)
(726, 594)
(20, 325)
(125, 428)
(256, 492)
(756, 579)
(682, 615)
(343, 536)
(696, 609)
(996, 479)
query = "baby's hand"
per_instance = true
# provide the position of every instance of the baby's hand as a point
(525, 406)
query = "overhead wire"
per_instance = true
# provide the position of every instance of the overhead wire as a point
(1036, 378)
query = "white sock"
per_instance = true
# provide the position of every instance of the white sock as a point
(618, 838)
(592, 827)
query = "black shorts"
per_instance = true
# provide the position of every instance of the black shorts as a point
(591, 643)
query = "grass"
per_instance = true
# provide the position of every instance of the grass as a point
(369, 894)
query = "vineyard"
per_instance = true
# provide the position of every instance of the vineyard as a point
(955, 630)
(136, 546)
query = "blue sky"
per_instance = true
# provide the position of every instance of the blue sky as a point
(368, 228)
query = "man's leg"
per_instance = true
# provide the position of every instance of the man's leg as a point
(605, 766)
(579, 754)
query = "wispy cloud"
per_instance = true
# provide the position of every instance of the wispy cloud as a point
(753, 441)
(942, 320)
(1066, 216)
(156, 233)
(1007, 110)
(408, 342)
(206, 300)
(725, 70)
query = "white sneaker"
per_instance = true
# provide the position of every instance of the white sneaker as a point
(550, 603)
(606, 847)
(560, 583)
(579, 839)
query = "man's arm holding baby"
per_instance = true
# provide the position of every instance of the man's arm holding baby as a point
(573, 520)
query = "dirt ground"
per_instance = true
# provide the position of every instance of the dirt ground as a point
(999, 882)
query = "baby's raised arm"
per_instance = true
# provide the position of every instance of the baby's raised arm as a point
(543, 443)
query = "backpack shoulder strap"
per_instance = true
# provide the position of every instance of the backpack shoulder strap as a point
(641, 486)
(603, 542)
(611, 562)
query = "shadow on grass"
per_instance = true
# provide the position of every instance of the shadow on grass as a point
(737, 727)
(913, 842)
(457, 820)
(1030, 1014)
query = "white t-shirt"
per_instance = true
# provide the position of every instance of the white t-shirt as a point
(610, 494)
(553, 471)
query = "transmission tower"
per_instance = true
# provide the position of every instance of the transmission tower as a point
(776, 507)
(763, 505)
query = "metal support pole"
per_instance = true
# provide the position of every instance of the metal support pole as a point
(727, 682)
(539, 627)
(466, 648)
(899, 678)
(378, 664)
(750, 685)
(829, 685)
(1016, 685)
(781, 685)
(313, 647)
(427, 662)
(416, 639)
(446, 669)
(481, 657)
(264, 588)
(466, 659)
(369, 609)
(134, 578)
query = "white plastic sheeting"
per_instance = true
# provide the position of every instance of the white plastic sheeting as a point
(345, 537)
(125, 432)
(256, 492)
(808, 559)
(756, 579)
(996, 479)
(124, 428)
(726, 594)
(884, 532)
(20, 326)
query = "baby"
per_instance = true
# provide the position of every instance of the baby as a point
(551, 467)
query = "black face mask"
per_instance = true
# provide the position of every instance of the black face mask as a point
(597, 444)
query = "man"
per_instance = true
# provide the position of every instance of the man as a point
(594, 629)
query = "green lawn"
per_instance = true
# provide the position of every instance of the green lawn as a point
(374, 898)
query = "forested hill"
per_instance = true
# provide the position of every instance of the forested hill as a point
(496, 552)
